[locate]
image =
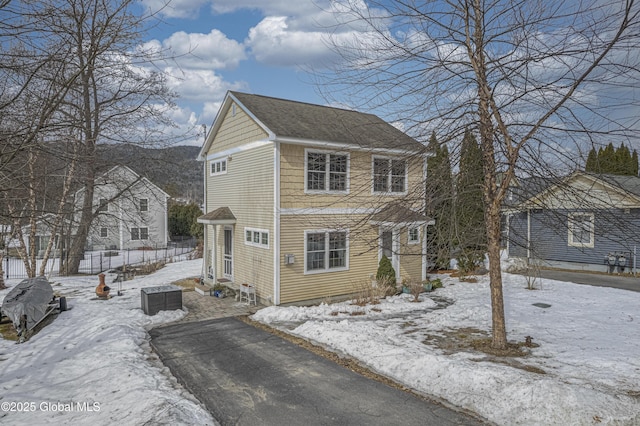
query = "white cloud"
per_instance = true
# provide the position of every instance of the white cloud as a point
(175, 8)
(273, 43)
(200, 51)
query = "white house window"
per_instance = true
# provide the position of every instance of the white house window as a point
(139, 234)
(218, 167)
(581, 230)
(104, 232)
(256, 237)
(326, 251)
(414, 235)
(326, 172)
(104, 205)
(144, 205)
(389, 175)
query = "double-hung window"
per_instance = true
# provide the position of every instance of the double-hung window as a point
(103, 205)
(144, 204)
(389, 175)
(326, 172)
(139, 234)
(414, 235)
(581, 230)
(326, 251)
(104, 232)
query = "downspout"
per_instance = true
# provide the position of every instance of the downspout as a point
(276, 223)
(120, 224)
(528, 234)
(205, 236)
(424, 209)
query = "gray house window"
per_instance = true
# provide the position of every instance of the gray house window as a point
(104, 232)
(104, 205)
(581, 230)
(144, 205)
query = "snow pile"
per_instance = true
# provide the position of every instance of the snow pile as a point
(589, 349)
(93, 364)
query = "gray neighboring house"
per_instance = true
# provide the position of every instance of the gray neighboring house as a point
(581, 222)
(131, 212)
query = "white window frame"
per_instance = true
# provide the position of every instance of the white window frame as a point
(106, 232)
(146, 204)
(218, 166)
(389, 175)
(327, 177)
(326, 268)
(139, 231)
(412, 241)
(260, 233)
(103, 205)
(571, 224)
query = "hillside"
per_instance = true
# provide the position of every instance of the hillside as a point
(174, 169)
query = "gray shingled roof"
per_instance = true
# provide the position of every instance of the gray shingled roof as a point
(291, 119)
(220, 215)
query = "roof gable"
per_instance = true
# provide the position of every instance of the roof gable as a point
(581, 190)
(292, 121)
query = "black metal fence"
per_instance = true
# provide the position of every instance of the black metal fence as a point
(94, 262)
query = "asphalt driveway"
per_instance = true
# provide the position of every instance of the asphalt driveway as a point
(247, 376)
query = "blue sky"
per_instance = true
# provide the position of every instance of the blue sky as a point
(256, 46)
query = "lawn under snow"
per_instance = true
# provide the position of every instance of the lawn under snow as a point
(98, 352)
(589, 348)
(93, 364)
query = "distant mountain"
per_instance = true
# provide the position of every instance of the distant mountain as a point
(174, 169)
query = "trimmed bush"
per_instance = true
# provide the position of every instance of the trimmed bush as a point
(386, 275)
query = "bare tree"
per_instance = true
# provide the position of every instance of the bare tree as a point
(538, 81)
(81, 66)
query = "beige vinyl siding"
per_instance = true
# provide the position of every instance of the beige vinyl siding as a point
(236, 131)
(247, 189)
(297, 286)
(410, 256)
(292, 185)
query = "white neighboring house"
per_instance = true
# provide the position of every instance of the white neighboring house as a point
(131, 212)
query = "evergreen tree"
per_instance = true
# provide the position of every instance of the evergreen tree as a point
(592, 162)
(469, 211)
(440, 195)
(634, 163)
(607, 159)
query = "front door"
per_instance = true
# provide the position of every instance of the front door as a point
(228, 253)
(388, 248)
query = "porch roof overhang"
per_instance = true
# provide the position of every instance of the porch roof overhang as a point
(219, 216)
(398, 214)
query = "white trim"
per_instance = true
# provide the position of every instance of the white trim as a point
(276, 224)
(221, 164)
(326, 211)
(326, 233)
(327, 172)
(231, 257)
(395, 247)
(570, 228)
(260, 233)
(389, 192)
(342, 146)
(409, 240)
(235, 150)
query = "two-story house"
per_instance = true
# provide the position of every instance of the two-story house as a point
(303, 200)
(130, 212)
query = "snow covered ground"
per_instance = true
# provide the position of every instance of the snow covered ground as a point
(97, 356)
(589, 353)
(93, 365)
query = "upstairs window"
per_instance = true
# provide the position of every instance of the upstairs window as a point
(389, 175)
(104, 232)
(218, 167)
(104, 205)
(326, 172)
(144, 205)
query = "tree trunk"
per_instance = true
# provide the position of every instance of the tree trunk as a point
(499, 332)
